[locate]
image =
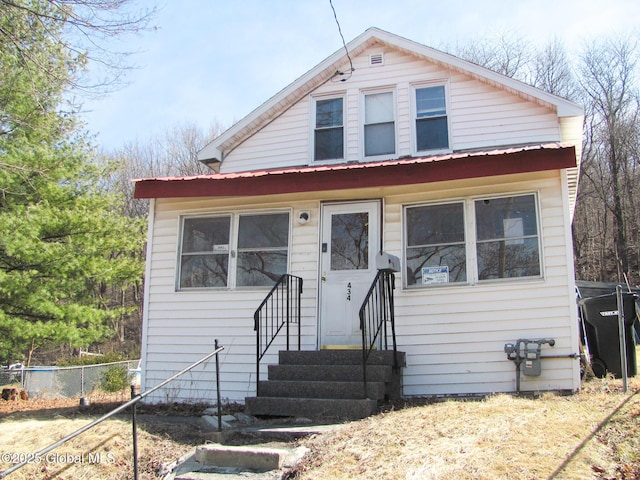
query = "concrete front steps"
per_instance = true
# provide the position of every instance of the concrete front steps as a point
(229, 462)
(327, 384)
(247, 450)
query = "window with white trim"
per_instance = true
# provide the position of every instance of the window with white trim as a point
(211, 255)
(435, 251)
(505, 240)
(263, 247)
(329, 129)
(379, 124)
(431, 124)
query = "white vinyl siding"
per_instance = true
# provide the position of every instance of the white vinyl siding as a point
(480, 115)
(181, 326)
(453, 336)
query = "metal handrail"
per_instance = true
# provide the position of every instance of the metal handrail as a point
(280, 308)
(376, 311)
(131, 403)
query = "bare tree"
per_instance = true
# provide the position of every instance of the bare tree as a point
(173, 154)
(507, 53)
(552, 71)
(608, 81)
(91, 31)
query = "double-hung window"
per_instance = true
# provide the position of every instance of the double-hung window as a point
(247, 250)
(501, 232)
(507, 237)
(263, 246)
(329, 129)
(204, 256)
(431, 128)
(379, 124)
(435, 244)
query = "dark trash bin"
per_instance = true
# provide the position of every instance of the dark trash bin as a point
(600, 317)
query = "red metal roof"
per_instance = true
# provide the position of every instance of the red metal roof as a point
(405, 171)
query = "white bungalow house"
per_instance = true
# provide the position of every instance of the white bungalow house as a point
(466, 176)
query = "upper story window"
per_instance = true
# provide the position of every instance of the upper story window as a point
(379, 124)
(432, 132)
(212, 255)
(329, 129)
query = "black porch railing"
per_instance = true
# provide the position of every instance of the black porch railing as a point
(280, 308)
(29, 458)
(376, 312)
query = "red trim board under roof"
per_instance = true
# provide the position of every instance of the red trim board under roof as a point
(454, 166)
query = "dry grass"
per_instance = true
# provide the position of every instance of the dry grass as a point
(593, 434)
(101, 453)
(104, 452)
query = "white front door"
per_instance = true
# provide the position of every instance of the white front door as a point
(350, 240)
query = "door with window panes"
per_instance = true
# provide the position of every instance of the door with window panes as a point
(349, 242)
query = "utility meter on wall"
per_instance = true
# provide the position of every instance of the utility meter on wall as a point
(531, 366)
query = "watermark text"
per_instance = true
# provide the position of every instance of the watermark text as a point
(58, 458)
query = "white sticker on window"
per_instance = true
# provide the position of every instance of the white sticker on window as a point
(513, 228)
(435, 275)
(221, 248)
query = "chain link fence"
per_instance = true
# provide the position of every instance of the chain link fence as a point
(65, 382)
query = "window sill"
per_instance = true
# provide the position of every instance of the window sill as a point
(481, 283)
(429, 153)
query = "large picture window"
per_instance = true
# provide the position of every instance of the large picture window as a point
(329, 130)
(213, 256)
(432, 132)
(504, 237)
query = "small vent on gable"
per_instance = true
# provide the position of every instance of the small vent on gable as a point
(376, 59)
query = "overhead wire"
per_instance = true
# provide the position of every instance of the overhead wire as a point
(344, 44)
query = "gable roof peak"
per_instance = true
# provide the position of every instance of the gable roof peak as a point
(214, 152)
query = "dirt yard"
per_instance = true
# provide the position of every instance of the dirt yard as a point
(592, 434)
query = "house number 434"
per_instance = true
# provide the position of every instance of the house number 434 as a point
(349, 291)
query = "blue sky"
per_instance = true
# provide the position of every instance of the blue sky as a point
(215, 61)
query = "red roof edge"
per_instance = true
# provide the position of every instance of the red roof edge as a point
(379, 174)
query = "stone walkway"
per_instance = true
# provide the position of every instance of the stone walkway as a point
(247, 448)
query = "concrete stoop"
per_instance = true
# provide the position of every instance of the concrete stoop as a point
(215, 461)
(310, 389)
(246, 448)
(327, 384)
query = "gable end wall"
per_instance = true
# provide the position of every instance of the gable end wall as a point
(481, 116)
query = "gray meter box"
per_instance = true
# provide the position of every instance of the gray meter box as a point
(531, 366)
